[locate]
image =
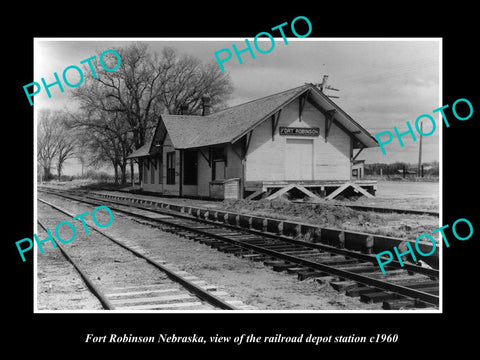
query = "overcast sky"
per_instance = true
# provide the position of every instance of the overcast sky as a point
(382, 82)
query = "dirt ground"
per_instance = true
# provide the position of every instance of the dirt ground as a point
(405, 195)
(59, 286)
(396, 194)
(330, 216)
(105, 263)
(251, 282)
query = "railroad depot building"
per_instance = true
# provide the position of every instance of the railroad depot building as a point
(297, 140)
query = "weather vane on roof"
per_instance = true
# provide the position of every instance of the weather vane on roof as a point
(323, 86)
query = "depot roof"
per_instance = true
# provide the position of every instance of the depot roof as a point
(231, 124)
(142, 151)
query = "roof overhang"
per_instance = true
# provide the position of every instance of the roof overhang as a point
(342, 119)
(287, 102)
(323, 103)
(193, 131)
(143, 151)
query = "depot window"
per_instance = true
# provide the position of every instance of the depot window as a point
(218, 157)
(171, 167)
(190, 167)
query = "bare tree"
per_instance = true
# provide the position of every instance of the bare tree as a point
(129, 101)
(82, 158)
(54, 142)
(47, 144)
(104, 138)
(186, 80)
(66, 145)
(129, 94)
(133, 90)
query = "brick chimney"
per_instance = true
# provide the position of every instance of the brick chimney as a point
(206, 107)
(183, 109)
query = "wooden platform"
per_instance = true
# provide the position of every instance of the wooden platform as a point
(314, 189)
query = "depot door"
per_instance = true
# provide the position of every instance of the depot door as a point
(299, 159)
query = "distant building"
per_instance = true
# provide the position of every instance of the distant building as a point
(358, 169)
(407, 173)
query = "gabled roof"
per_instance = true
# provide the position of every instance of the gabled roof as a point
(187, 131)
(142, 151)
(229, 125)
(343, 119)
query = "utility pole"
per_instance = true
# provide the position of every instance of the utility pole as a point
(420, 151)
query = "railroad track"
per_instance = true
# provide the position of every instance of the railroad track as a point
(179, 290)
(378, 209)
(354, 272)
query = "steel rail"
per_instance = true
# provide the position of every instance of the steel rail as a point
(416, 294)
(384, 285)
(379, 209)
(339, 251)
(366, 280)
(93, 288)
(430, 298)
(345, 252)
(197, 290)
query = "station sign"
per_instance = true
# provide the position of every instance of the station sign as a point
(295, 131)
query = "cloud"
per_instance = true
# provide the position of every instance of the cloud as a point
(382, 82)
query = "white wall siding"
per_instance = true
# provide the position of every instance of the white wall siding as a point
(170, 189)
(148, 185)
(266, 157)
(204, 174)
(234, 164)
